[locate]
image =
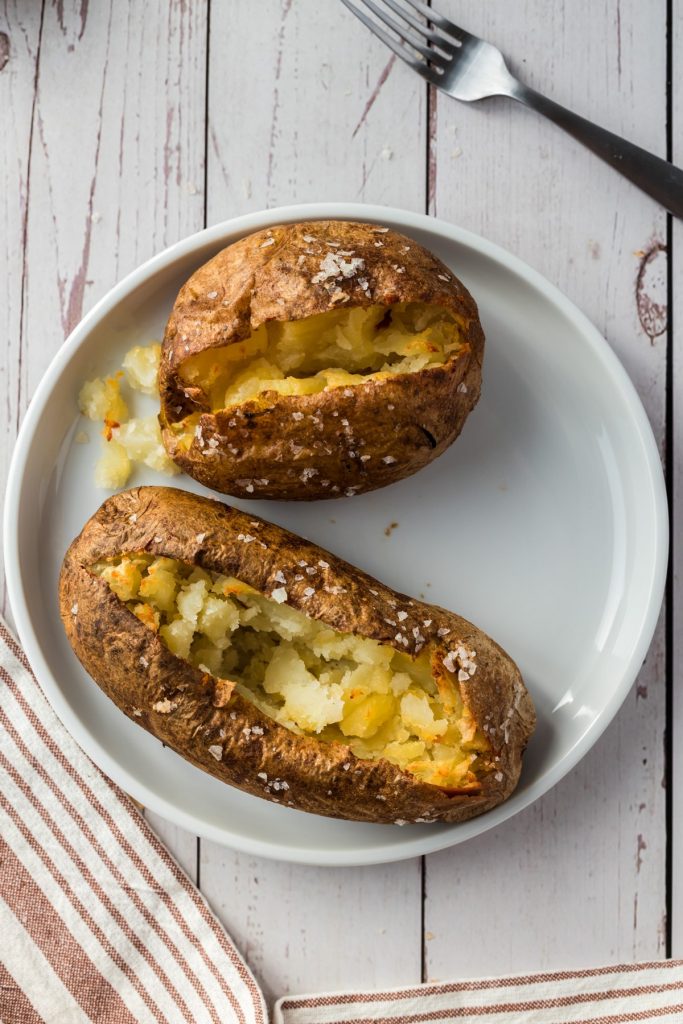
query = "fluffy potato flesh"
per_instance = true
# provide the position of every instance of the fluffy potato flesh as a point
(304, 674)
(128, 441)
(339, 348)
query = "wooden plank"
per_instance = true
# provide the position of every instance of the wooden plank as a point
(329, 117)
(19, 53)
(676, 682)
(306, 929)
(580, 877)
(117, 174)
(118, 163)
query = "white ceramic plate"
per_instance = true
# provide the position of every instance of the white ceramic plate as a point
(545, 524)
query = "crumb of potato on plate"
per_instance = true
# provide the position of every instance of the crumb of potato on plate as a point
(128, 440)
(388, 530)
(82, 438)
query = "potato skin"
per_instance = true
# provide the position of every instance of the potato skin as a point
(134, 668)
(267, 447)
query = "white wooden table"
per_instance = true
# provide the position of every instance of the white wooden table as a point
(127, 125)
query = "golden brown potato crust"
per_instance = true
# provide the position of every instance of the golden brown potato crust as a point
(138, 672)
(408, 419)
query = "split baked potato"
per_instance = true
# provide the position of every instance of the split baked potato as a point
(284, 671)
(317, 360)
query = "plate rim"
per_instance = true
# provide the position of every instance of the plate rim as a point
(408, 220)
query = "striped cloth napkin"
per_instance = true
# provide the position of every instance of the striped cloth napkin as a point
(602, 995)
(99, 924)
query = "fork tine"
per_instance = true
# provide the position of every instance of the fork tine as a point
(399, 50)
(413, 62)
(446, 26)
(406, 35)
(436, 39)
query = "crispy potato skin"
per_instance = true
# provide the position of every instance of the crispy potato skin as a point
(135, 669)
(410, 418)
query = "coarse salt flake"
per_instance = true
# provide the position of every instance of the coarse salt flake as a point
(389, 459)
(449, 662)
(279, 577)
(401, 616)
(336, 267)
(212, 295)
(216, 751)
(200, 538)
(279, 595)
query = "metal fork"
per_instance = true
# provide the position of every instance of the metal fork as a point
(468, 68)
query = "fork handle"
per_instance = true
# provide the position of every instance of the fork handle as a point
(660, 179)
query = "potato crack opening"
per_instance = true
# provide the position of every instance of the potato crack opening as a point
(305, 675)
(339, 348)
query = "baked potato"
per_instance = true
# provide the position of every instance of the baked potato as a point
(284, 671)
(317, 360)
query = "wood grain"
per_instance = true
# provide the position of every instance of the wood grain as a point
(308, 929)
(331, 116)
(20, 34)
(588, 859)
